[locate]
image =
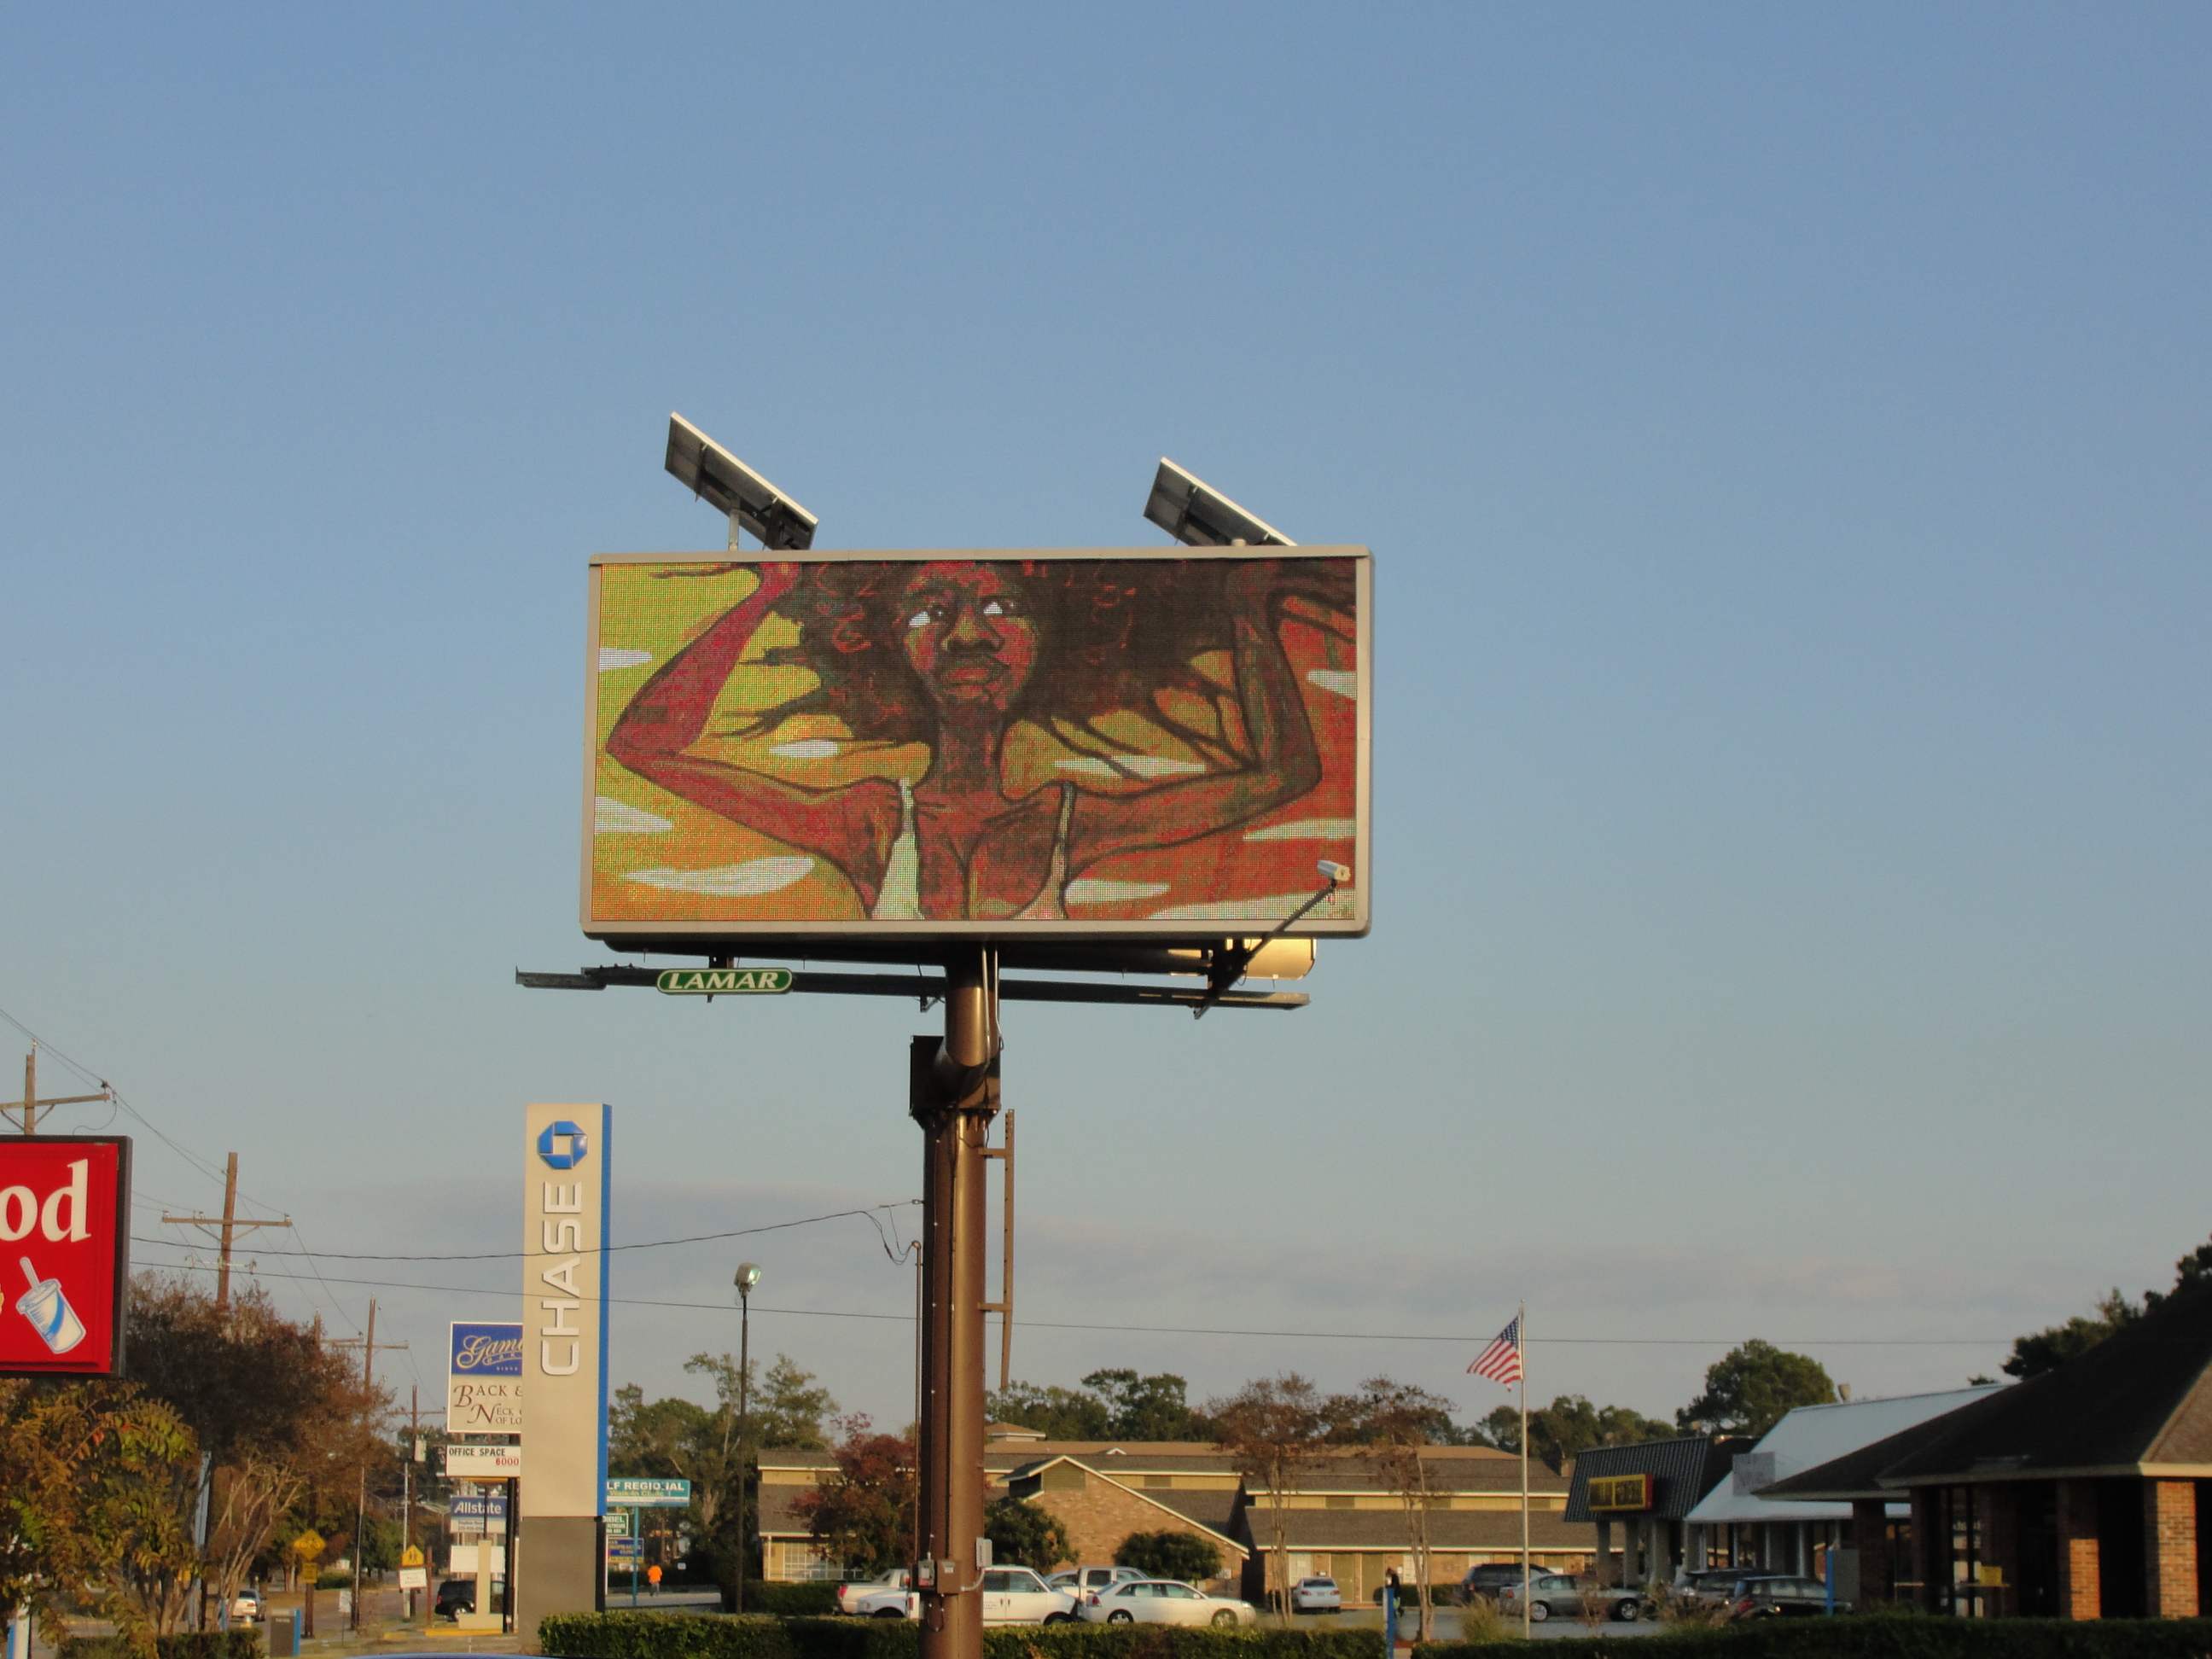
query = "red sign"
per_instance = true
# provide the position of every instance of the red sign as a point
(64, 1253)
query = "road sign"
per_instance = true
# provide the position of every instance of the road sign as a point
(724, 982)
(410, 1556)
(628, 1491)
(414, 1578)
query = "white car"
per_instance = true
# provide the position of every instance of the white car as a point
(850, 1592)
(1316, 1594)
(1080, 1582)
(1011, 1596)
(245, 1608)
(1164, 1602)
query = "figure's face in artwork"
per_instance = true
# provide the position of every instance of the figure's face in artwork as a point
(970, 636)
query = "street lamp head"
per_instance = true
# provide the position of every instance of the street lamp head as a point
(748, 1276)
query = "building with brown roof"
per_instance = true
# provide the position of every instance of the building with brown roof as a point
(2076, 1494)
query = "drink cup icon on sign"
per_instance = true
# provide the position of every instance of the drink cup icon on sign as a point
(49, 1310)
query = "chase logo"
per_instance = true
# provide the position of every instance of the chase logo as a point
(562, 1146)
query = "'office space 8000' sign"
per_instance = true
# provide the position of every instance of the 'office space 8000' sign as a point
(63, 1199)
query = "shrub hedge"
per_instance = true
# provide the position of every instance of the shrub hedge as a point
(1892, 1637)
(679, 1636)
(186, 1644)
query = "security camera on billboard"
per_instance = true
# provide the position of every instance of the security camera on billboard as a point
(1101, 744)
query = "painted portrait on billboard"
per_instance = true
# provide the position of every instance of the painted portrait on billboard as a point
(1058, 743)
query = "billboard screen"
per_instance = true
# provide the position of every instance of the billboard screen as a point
(65, 1239)
(1144, 743)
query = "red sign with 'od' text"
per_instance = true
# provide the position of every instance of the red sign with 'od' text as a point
(64, 1254)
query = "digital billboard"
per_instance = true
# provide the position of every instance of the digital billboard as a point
(64, 1238)
(1111, 744)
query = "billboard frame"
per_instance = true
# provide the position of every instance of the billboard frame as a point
(918, 939)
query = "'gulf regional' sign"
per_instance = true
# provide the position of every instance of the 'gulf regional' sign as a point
(64, 1253)
(564, 1308)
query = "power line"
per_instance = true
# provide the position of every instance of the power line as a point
(521, 1255)
(1204, 1330)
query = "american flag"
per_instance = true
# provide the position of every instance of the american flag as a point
(1501, 1361)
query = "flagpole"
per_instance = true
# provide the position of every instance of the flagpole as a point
(1521, 1341)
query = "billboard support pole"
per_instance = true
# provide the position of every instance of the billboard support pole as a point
(953, 1095)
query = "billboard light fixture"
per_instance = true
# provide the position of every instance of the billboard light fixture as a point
(730, 487)
(1197, 514)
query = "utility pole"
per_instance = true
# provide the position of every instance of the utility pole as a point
(225, 1228)
(407, 1487)
(28, 1109)
(953, 1095)
(368, 1345)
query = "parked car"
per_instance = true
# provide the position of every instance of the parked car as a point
(1558, 1594)
(1080, 1582)
(1164, 1601)
(245, 1606)
(1316, 1594)
(458, 1595)
(852, 1589)
(1011, 1596)
(1715, 1587)
(1490, 1576)
(1779, 1597)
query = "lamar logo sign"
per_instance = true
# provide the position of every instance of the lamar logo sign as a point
(63, 1201)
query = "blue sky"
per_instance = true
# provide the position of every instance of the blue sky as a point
(1781, 434)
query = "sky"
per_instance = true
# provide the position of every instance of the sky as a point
(1781, 434)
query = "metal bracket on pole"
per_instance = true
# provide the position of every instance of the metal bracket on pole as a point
(1229, 967)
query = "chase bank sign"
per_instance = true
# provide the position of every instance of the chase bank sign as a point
(564, 1305)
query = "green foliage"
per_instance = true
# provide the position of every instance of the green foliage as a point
(1570, 1426)
(1876, 1637)
(810, 1600)
(1115, 1404)
(1182, 1555)
(674, 1636)
(1751, 1389)
(186, 1644)
(1025, 1535)
(2039, 1351)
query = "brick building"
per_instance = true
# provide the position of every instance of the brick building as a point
(1345, 1519)
(2076, 1494)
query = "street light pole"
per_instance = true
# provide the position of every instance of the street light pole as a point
(748, 1276)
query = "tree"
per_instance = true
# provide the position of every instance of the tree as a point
(1113, 1404)
(1057, 1413)
(1398, 1420)
(83, 1467)
(2047, 1349)
(1147, 1407)
(1569, 1427)
(864, 1514)
(276, 1411)
(1025, 1535)
(1274, 1429)
(1751, 1389)
(1182, 1555)
(708, 1446)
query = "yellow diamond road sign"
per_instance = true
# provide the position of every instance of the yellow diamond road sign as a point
(410, 1556)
